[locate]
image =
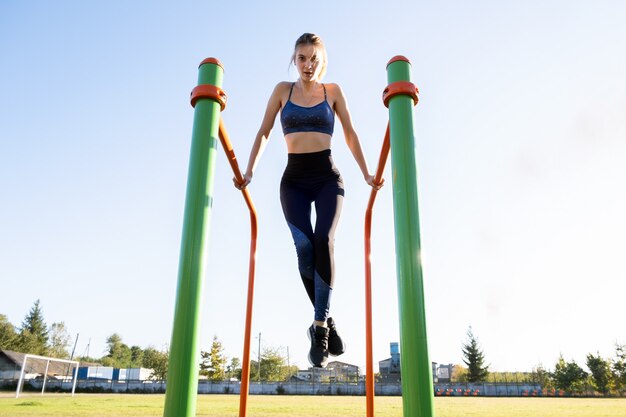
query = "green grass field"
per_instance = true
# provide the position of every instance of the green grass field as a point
(131, 405)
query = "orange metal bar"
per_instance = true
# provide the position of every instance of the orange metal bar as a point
(369, 361)
(245, 365)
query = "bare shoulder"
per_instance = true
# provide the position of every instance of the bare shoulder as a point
(335, 94)
(333, 89)
(281, 91)
(282, 87)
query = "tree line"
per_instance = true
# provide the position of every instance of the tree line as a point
(33, 336)
(272, 366)
(604, 375)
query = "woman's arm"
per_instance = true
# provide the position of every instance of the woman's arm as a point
(263, 135)
(352, 139)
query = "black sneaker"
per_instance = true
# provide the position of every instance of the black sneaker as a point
(318, 355)
(335, 344)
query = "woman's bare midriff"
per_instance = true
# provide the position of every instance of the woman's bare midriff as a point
(306, 142)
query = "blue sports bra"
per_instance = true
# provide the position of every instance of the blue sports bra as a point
(319, 118)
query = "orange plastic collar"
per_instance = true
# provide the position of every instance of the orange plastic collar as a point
(208, 91)
(400, 87)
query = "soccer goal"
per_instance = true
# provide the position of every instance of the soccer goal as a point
(44, 368)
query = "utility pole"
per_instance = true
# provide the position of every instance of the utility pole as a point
(288, 364)
(87, 349)
(259, 377)
(74, 348)
(72, 356)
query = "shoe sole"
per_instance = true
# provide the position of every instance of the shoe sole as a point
(334, 355)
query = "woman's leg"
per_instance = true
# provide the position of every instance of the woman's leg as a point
(328, 203)
(296, 206)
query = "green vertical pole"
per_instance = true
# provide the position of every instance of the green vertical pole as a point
(183, 367)
(417, 382)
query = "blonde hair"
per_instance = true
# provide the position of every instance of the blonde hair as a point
(316, 41)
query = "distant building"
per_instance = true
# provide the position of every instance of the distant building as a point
(313, 375)
(343, 372)
(96, 372)
(134, 374)
(11, 367)
(335, 371)
(444, 373)
(389, 369)
(109, 373)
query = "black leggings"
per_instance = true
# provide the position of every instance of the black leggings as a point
(313, 178)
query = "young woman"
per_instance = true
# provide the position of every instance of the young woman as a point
(308, 110)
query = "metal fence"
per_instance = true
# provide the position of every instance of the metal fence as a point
(305, 388)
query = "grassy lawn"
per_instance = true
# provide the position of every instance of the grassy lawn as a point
(139, 405)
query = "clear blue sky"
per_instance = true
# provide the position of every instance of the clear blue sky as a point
(521, 147)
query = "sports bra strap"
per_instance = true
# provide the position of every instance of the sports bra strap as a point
(290, 91)
(324, 87)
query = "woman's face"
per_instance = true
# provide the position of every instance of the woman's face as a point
(308, 61)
